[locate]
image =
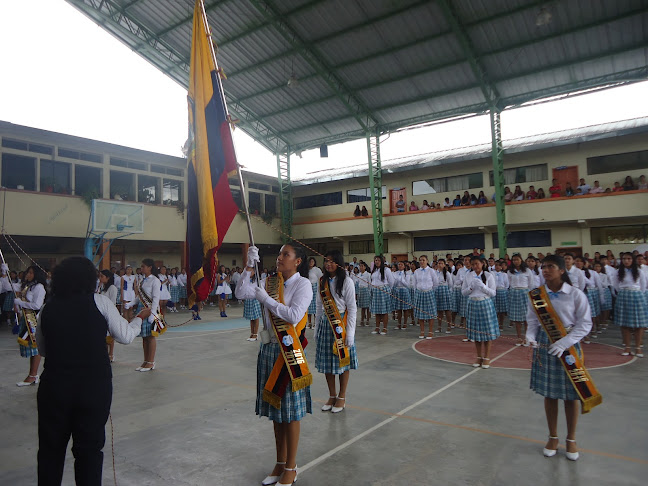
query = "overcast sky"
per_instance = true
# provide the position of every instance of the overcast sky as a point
(62, 72)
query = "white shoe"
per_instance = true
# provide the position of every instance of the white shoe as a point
(272, 479)
(572, 456)
(29, 383)
(338, 409)
(383, 332)
(294, 481)
(421, 337)
(326, 408)
(549, 452)
(146, 370)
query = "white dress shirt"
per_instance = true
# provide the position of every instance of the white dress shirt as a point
(364, 278)
(447, 281)
(425, 278)
(34, 298)
(314, 274)
(501, 280)
(572, 307)
(401, 279)
(111, 293)
(377, 282)
(521, 280)
(345, 303)
(475, 288)
(458, 278)
(538, 279)
(577, 277)
(628, 281)
(151, 285)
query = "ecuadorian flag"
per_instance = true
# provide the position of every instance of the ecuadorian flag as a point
(211, 159)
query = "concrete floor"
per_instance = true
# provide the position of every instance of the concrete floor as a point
(410, 419)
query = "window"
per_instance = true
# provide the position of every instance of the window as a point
(365, 246)
(318, 200)
(449, 242)
(236, 195)
(148, 189)
(75, 154)
(616, 235)
(122, 185)
(322, 248)
(171, 191)
(232, 181)
(260, 187)
(54, 177)
(618, 162)
(518, 175)
(271, 204)
(448, 184)
(87, 180)
(165, 170)
(127, 163)
(361, 195)
(29, 147)
(254, 201)
(525, 239)
(18, 172)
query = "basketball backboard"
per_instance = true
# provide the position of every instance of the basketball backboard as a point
(117, 217)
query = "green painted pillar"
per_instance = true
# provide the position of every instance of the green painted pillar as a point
(375, 187)
(285, 194)
(498, 178)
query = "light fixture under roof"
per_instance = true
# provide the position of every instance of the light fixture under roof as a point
(293, 82)
(543, 17)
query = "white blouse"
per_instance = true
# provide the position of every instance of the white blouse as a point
(458, 278)
(111, 293)
(151, 285)
(401, 279)
(501, 280)
(628, 282)
(475, 288)
(447, 281)
(521, 280)
(314, 274)
(577, 277)
(363, 278)
(34, 298)
(538, 279)
(345, 303)
(572, 307)
(376, 280)
(425, 278)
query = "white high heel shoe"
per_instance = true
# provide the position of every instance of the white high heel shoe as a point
(145, 370)
(272, 479)
(549, 452)
(326, 408)
(294, 480)
(572, 456)
(338, 409)
(28, 383)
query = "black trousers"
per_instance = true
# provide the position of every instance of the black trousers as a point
(74, 406)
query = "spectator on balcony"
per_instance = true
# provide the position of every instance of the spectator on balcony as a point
(364, 211)
(555, 190)
(518, 195)
(508, 195)
(597, 189)
(642, 183)
(617, 187)
(532, 194)
(583, 188)
(628, 184)
(569, 190)
(425, 205)
(482, 198)
(447, 203)
(465, 200)
(473, 200)
(541, 194)
(457, 201)
(400, 204)
(413, 206)
(357, 211)
(438, 206)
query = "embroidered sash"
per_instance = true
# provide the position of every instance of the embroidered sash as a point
(159, 325)
(291, 367)
(337, 323)
(28, 338)
(574, 367)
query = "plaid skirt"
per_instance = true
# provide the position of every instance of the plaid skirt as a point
(146, 326)
(25, 351)
(119, 292)
(463, 306)
(364, 297)
(312, 308)
(630, 309)
(456, 299)
(594, 299)
(294, 405)
(251, 309)
(501, 301)
(7, 306)
(182, 293)
(401, 298)
(442, 293)
(381, 300)
(174, 290)
(606, 305)
(548, 377)
(518, 303)
(481, 320)
(325, 360)
(425, 304)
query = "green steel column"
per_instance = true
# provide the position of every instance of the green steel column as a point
(375, 186)
(285, 194)
(498, 177)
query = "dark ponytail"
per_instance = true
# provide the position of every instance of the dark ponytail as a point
(445, 268)
(585, 269)
(336, 257)
(150, 263)
(382, 267)
(111, 280)
(302, 269)
(483, 272)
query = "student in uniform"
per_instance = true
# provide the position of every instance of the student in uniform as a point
(128, 292)
(548, 377)
(342, 291)
(534, 266)
(364, 294)
(502, 293)
(630, 312)
(593, 293)
(294, 405)
(382, 281)
(223, 289)
(252, 311)
(443, 296)
(402, 296)
(314, 274)
(174, 291)
(574, 273)
(606, 296)
(425, 308)
(182, 283)
(165, 293)
(107, 288)
(521, 280)
(457, 280)
(481, 318)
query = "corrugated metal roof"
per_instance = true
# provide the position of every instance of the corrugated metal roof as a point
(384, 64)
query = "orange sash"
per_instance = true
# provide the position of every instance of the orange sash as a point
(337, 323)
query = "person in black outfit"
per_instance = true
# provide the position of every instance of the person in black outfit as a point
(75, 391)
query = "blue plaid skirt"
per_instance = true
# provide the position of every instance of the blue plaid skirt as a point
(364, 297)
(402, 298)
(481, 320)
(630, 309)
(119, 292)
(25, 351)
(325, 360)
(174, 290)
(442, 293)
(381, 300)
(518, 303)
(594, 299)
(251, 309)
(463, 304)
(548, 377)
(183, 292)
(501, 301)
(146, 326)
(7, 306)
(456, 299)
(425, 304)
(606, 305)
(312, 308)
(294, 405)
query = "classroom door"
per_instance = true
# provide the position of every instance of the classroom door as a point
(400, 257)
(394, 194)
(565, 175)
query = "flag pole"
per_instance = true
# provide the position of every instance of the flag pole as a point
(221, 93)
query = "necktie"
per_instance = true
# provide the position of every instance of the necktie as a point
(554, 294)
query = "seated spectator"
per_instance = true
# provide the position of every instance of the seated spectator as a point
(413, 206)
(508, 195)
(532, 194)
(541, 194)
(608, 190)
(357, 211)
(364, 211)
(642, 183)
(583, 187)
(457, 201)
(400, 204)
(482, 198)
(425, 205)
(555, 190)
(518, 195)
(447, 203)
(628, 184)
(494, 197)
(465, 200)
(617, 187)
(473, 200)
(597, 189)
(438, 206)
(569, 190)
